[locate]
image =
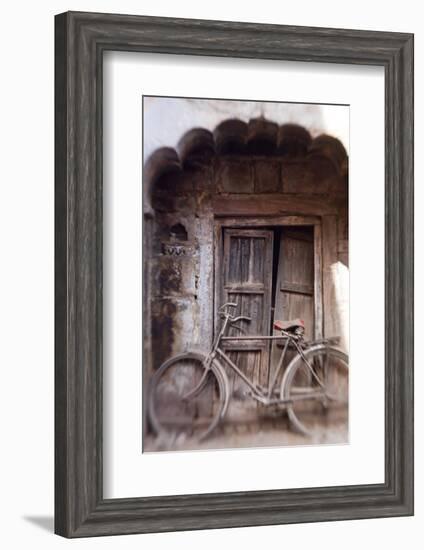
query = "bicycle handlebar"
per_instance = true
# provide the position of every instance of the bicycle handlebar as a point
(228, 304)
(240, 318)
(232, 319)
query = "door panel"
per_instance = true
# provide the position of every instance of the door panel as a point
(246, 260)
(295, 280)
(247, 281)
(294, 296)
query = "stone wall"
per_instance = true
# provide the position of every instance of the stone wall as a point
(239, 171)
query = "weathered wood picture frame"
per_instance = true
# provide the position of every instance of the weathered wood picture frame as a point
(81, 39)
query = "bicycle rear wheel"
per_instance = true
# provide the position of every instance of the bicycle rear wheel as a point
(318, 394)
(185, 400)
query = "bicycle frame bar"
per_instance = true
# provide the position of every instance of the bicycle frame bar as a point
(216, 350)
(257, 390)
(278, 369)
(232, 365)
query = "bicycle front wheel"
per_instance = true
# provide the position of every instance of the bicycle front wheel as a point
(185, 400)
(317, 393)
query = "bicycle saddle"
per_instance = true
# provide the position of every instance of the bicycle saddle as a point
(291, 325)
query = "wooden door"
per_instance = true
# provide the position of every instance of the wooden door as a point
(246, 279)
(294, 295)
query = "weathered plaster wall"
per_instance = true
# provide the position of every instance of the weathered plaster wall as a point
(304, 179)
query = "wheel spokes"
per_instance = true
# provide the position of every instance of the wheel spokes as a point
(317, 394)
(185, 401)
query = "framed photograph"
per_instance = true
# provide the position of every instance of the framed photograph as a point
(234, 274)
(246, 267)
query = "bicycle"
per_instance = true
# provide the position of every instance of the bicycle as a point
(189, 393)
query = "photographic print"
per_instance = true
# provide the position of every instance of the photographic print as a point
(246, 274)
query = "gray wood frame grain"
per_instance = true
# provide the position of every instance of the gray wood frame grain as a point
(81, 39)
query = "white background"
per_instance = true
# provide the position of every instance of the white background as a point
(128, 473)
(26, 289)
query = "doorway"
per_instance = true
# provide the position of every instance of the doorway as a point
(270, 271)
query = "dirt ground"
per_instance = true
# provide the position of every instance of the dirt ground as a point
(269, 433)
